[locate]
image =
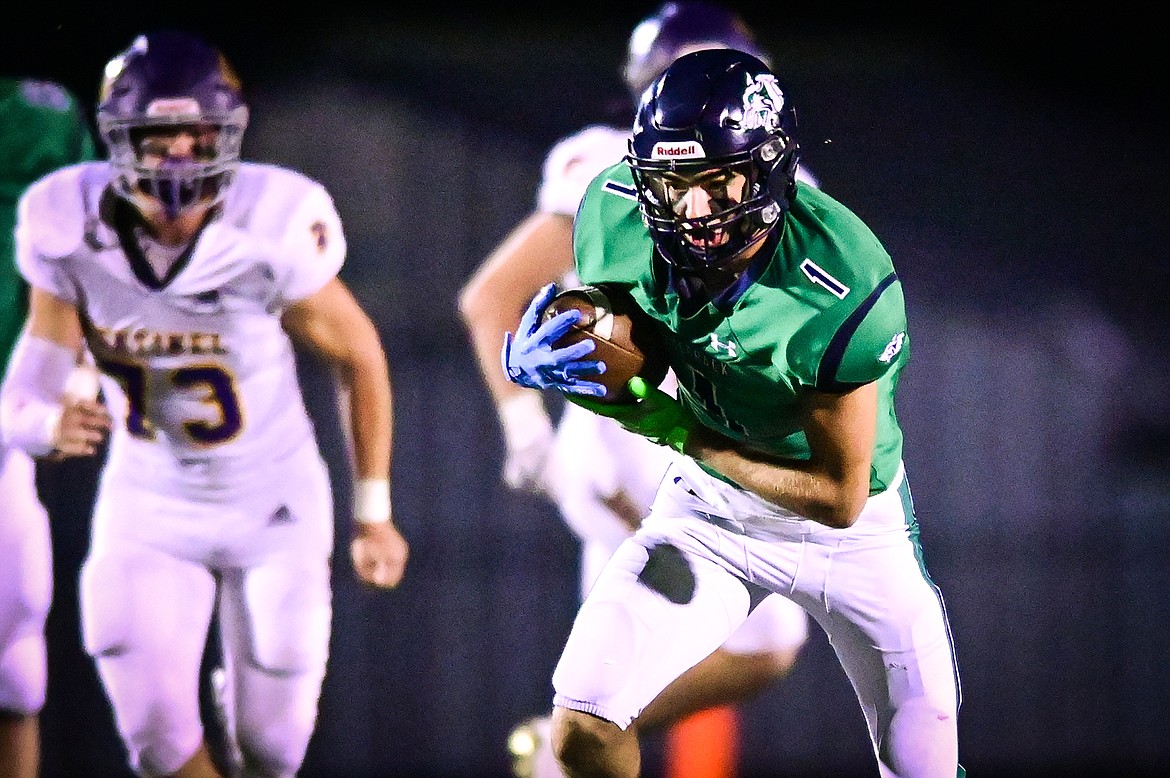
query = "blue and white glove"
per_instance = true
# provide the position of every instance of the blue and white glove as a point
(530, 359)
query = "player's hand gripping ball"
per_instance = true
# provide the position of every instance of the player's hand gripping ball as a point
(624, 337)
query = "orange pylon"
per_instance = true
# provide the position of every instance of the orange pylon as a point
(704, 745)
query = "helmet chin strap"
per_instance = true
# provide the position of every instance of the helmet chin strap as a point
(723, 285)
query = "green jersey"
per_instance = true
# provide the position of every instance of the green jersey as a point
(825, 312)
(42, 128)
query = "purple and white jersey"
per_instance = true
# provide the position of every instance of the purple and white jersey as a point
(194, 361)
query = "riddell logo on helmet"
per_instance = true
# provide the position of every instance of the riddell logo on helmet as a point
(678, 149)
(173, 106)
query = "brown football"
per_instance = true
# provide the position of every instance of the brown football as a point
(625, 337)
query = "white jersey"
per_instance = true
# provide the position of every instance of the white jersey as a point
(195, 364)
(619, 460)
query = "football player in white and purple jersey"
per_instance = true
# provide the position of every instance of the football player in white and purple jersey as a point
(191, 276)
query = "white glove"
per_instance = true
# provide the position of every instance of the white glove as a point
(528, 441)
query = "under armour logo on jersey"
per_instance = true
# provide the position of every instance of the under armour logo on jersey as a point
(728, 346)
(892, 348)
(762, 102)
(321, 235)
(821, 277)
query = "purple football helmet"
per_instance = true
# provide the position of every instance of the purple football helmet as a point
(714, 117)
(678, 28)
(168, 79)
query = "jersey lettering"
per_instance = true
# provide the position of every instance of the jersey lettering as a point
(702, 389)
(219, 391)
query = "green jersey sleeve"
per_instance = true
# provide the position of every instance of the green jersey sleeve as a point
(611, 244)
(869, 342)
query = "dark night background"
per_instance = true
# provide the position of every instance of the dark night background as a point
(1011, 159)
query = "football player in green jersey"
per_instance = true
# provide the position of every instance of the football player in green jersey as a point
(785, 324)
(42, 127)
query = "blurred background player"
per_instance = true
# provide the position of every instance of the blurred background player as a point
(191, 276)
(42, 127)
(604, 503)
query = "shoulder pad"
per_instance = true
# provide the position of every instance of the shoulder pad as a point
(55, 210)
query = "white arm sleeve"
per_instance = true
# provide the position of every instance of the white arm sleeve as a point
(30, 398)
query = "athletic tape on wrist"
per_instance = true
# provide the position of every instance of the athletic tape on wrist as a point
(31, 426)
(371, 500)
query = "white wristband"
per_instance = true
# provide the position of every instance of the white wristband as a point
(371, 500)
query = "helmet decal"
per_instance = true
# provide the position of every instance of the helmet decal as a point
(689, 149)
(762, 102)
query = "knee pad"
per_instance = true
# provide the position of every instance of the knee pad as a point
(156, 753)
(26, 562)
(23, 672)
(269, 752)
(144, 621)
(289, 609)
(275, 718)
(25, 593)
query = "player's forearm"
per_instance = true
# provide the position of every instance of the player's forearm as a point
(366, 386)
(538, 250)
(369, 413)
(833, 496)
(486, 340)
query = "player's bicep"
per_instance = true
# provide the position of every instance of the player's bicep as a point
(538, 250)
(331, 324)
